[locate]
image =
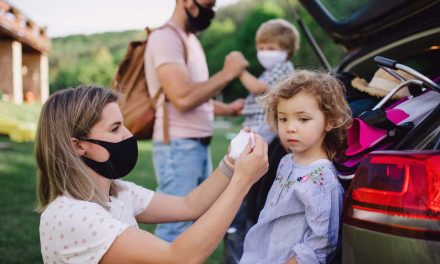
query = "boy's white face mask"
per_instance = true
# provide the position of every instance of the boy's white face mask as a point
(270, 58)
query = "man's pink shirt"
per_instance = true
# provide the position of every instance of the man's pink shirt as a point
(164, 47)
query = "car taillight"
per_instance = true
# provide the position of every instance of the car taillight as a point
(397, 193)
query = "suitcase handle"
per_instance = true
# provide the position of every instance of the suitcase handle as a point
(385, 62)
(391, 66)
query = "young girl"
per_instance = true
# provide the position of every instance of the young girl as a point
(89, 215)
(300, 220)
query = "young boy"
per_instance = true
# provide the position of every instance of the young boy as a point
(277, 41)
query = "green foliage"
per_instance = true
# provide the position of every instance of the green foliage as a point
(65, 77)
(82, 59)
(217, 32)
(102, 70)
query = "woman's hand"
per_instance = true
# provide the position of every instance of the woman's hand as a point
(229, 160)
(253, 162)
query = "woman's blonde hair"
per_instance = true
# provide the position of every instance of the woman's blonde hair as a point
(281, 32)
(330, 94)
(67, 114)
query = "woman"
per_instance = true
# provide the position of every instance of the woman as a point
(90, 216)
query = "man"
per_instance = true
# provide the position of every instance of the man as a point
(175, 62)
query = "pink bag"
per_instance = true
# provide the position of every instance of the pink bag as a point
(380, 129)
(366, 133)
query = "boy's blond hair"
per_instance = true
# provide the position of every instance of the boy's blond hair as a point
(281, 32)
(330, 94)
(66, 115)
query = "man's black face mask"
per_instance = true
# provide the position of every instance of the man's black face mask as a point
(202, 20)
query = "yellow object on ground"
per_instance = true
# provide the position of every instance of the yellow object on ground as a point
(16, 130)
(19, 122)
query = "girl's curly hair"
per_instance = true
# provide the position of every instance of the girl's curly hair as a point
(330, 94)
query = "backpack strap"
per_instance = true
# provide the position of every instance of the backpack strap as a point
(166, 128)
(185, 50)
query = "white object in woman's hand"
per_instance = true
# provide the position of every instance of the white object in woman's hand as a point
(239, 143)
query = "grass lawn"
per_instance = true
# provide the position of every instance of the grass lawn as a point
(19, 239)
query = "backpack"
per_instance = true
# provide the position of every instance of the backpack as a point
(138, 107)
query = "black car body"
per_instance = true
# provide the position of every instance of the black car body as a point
(404, 30)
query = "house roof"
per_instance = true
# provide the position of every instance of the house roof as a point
(14, 25)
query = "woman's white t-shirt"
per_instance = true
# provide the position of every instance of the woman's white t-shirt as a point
(77, 231)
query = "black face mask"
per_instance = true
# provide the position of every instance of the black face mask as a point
(122, 159)
(202, 20)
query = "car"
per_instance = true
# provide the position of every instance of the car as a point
(392, 206)
(392, 203)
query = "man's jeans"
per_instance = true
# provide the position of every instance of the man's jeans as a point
(180, 166)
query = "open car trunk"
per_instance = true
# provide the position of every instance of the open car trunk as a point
(404, 30)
